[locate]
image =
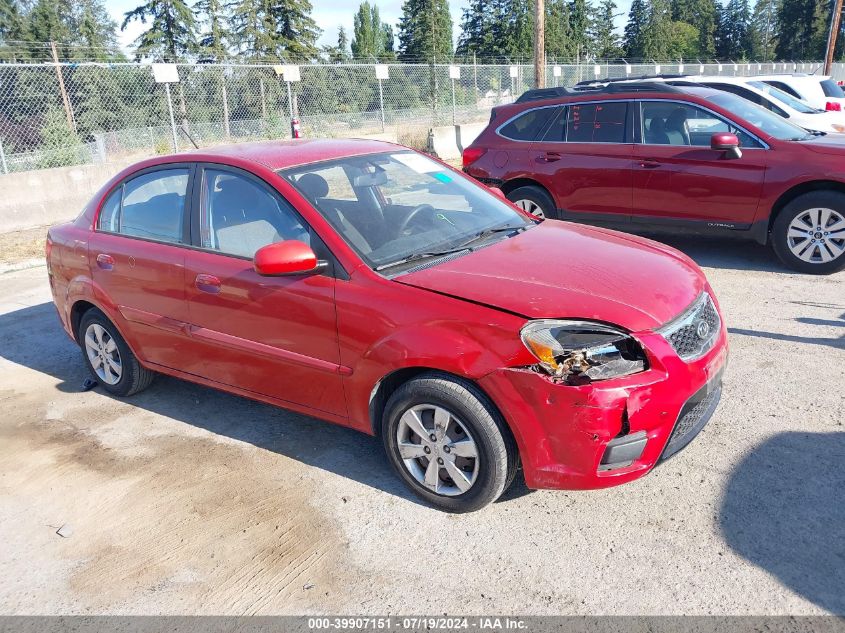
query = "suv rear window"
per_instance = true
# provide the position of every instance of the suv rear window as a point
(831, 89)
(596, 122)
(528, 125)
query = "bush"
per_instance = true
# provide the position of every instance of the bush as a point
(60, 145)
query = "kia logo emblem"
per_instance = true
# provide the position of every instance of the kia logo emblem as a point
(702, 329)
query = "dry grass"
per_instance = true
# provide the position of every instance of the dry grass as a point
(18, 246)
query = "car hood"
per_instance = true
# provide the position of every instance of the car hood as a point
(564, 270)
(828, 144)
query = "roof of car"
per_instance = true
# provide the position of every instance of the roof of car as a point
(290, 153)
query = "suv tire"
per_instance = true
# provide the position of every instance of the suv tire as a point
(535, 201)
(801, 236)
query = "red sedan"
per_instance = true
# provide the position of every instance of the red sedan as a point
(371, 286)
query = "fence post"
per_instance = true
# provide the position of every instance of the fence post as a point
(263, 98)
(100, 140)
(172, 120)
(3, 158)
(226, 130)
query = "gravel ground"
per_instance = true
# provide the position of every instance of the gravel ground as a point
(185, 500)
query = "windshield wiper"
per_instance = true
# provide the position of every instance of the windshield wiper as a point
(463, 246)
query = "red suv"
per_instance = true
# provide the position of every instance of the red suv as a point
(677, 158)
(374, 287)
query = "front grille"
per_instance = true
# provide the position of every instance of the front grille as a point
(695, 414)
(693, 333)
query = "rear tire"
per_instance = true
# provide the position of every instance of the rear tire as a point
(108, 358)
(535, 201)
(808, 234)
(461, 457)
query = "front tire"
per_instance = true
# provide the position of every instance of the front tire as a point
(808, 235)
(448, 443)
(108, 358)
(535, 201)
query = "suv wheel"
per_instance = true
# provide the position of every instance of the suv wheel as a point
(109, 359)
(534, 200)
(809, 233)
(448, 443)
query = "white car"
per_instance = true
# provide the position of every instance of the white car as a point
(772, 98)
(820, 91)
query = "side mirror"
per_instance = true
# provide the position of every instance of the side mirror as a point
(290, 257)
(725, 142)
(497, 192)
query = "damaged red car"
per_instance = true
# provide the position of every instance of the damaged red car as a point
(369, 285)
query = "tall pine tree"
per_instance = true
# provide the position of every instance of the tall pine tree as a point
(425, 31)
(214, 40)
(606, 42)
(275, 29)
(171, 33)
(763, 29)
(371, 37)
(635, 29)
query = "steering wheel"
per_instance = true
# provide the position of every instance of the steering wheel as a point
(417, 210)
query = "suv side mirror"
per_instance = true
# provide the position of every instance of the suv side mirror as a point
(725, 142)
(290, 257)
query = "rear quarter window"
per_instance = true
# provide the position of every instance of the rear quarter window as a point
(528, 125)
(831, 89)
(596, 122)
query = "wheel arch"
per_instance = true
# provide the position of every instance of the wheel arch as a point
(77, 311)
(389, 383)
(799, 190)
(516, 183)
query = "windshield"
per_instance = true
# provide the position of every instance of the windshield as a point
(397, 207)
(770, 123)
(784, 97)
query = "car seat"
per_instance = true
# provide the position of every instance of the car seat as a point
(316, 189)
(656, 132)
(243, 218)
(676, 127)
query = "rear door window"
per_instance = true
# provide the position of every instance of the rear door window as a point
(785, 87)
(528, 125)
(150, 206)
(596, 122)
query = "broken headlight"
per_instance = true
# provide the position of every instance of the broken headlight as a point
(582, 351)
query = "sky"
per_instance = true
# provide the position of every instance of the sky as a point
(329, 15)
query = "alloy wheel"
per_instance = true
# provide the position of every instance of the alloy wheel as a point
(102, 352)
(437, 450)
(817, 236)
(529, 206)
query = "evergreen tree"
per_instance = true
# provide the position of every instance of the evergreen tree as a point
(425, 31)
(658, 31)
(371, 37)
(763, 28)
(559, 40)
(702, 14)
(11, 21)
(50, 21)
(635, 29)
(275, 29)
(580, 21)
(475, 35)
(171, 31)
(340, 52)
(606, 42)
(733, 40)
(214, 40)
(95, 30)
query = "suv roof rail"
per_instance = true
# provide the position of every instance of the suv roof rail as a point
(535, 94)
(610, 80)
(600, 87)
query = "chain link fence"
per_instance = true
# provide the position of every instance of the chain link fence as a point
(65, 114)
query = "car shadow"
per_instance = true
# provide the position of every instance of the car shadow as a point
(784, 511)
(32, 337)
(722, 252)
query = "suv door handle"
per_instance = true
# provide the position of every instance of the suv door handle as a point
(207, 283)
(549, 157)
(106, 262)
(649, 163)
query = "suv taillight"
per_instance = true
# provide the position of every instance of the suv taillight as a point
(472, 154)
(833, 106)
(48, 250)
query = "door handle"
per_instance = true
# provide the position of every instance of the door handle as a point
(649, 163)
(207, 283)
(549, 157)
(106, 262)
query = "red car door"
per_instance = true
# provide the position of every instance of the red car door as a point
(137, 259)
(678, 177)
(275, 336)
(585, 160)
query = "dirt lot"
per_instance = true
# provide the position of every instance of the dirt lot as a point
(186, 500)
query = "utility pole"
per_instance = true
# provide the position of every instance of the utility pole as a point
(71, 122)
(831, 36)
(540, 43)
